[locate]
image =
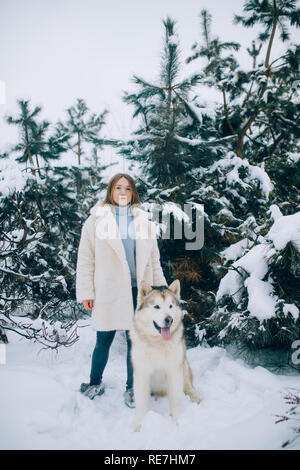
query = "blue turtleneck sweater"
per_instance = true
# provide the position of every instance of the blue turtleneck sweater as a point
(125, 220)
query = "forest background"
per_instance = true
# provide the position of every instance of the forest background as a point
(218, 126)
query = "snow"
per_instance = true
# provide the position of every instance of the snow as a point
(41, 407)
(231, 285)
(198, 111)
(261, 303)
(284, 230)
(291, 308)
(259, 173)
(274, 212)
(192, 142)
(173, 40)
(255, 173)
(233, 177)
(201, 142)
(294, 157)
(11, 176)
(250, 269)
(236, 250)
(252, 263)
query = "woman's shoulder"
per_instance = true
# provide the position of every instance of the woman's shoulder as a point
(97, 208)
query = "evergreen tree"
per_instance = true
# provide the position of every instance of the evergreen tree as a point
(39, 228)
(176, 141)
(258, 303)
(236, 189)
(249, 98)
(33, 141)
(41, 219)
(40, 232)
(82, 129)
(164, 112)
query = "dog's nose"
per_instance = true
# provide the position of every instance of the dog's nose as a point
(168, 321)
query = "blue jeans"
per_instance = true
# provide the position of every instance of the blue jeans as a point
(101, 352)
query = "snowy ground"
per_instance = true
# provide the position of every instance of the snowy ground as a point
(41, 408)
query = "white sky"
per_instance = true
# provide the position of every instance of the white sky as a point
(55, 51)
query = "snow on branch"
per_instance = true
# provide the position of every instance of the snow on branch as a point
(203, 143)
(262, 301)
(49, 335)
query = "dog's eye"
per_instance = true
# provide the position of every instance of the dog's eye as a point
(170, 306)
(156, 306)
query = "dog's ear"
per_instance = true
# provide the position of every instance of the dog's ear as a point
(145, 289)
(175, 288)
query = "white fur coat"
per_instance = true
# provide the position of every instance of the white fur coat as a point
(103, 273)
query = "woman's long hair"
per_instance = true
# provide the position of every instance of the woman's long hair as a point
(135, 200)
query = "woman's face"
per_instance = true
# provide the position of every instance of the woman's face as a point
(122, 192)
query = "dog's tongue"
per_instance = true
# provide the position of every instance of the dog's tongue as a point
(166, 333)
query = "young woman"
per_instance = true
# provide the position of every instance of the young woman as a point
(118, 249)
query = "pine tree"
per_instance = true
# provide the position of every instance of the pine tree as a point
(258, 303)
(41, 219)
(33, 143)
(272, 14)
(40, 233)
(248, 97)
(82, 128)
(176, 141)
(254, 53)
(164, 112)
(236, 189)
(38, 228)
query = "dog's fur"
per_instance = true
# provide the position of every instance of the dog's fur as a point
(158, 350)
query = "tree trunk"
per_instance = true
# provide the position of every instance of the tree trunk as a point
(267, 60)
(38, 166)
(79, 150)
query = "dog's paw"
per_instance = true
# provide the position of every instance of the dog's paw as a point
(137, 424)
(196, 397)
(175, 417)
(199, 397)
(137, 427)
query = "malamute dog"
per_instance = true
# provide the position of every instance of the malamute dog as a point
(158, 351)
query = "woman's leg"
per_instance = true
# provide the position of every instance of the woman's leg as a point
(129, 383)
(100, 355)
(134, 296)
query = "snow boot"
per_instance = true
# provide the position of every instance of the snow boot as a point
(129, 398)
(91, 391)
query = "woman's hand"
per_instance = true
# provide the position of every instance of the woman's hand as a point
(88, 304)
